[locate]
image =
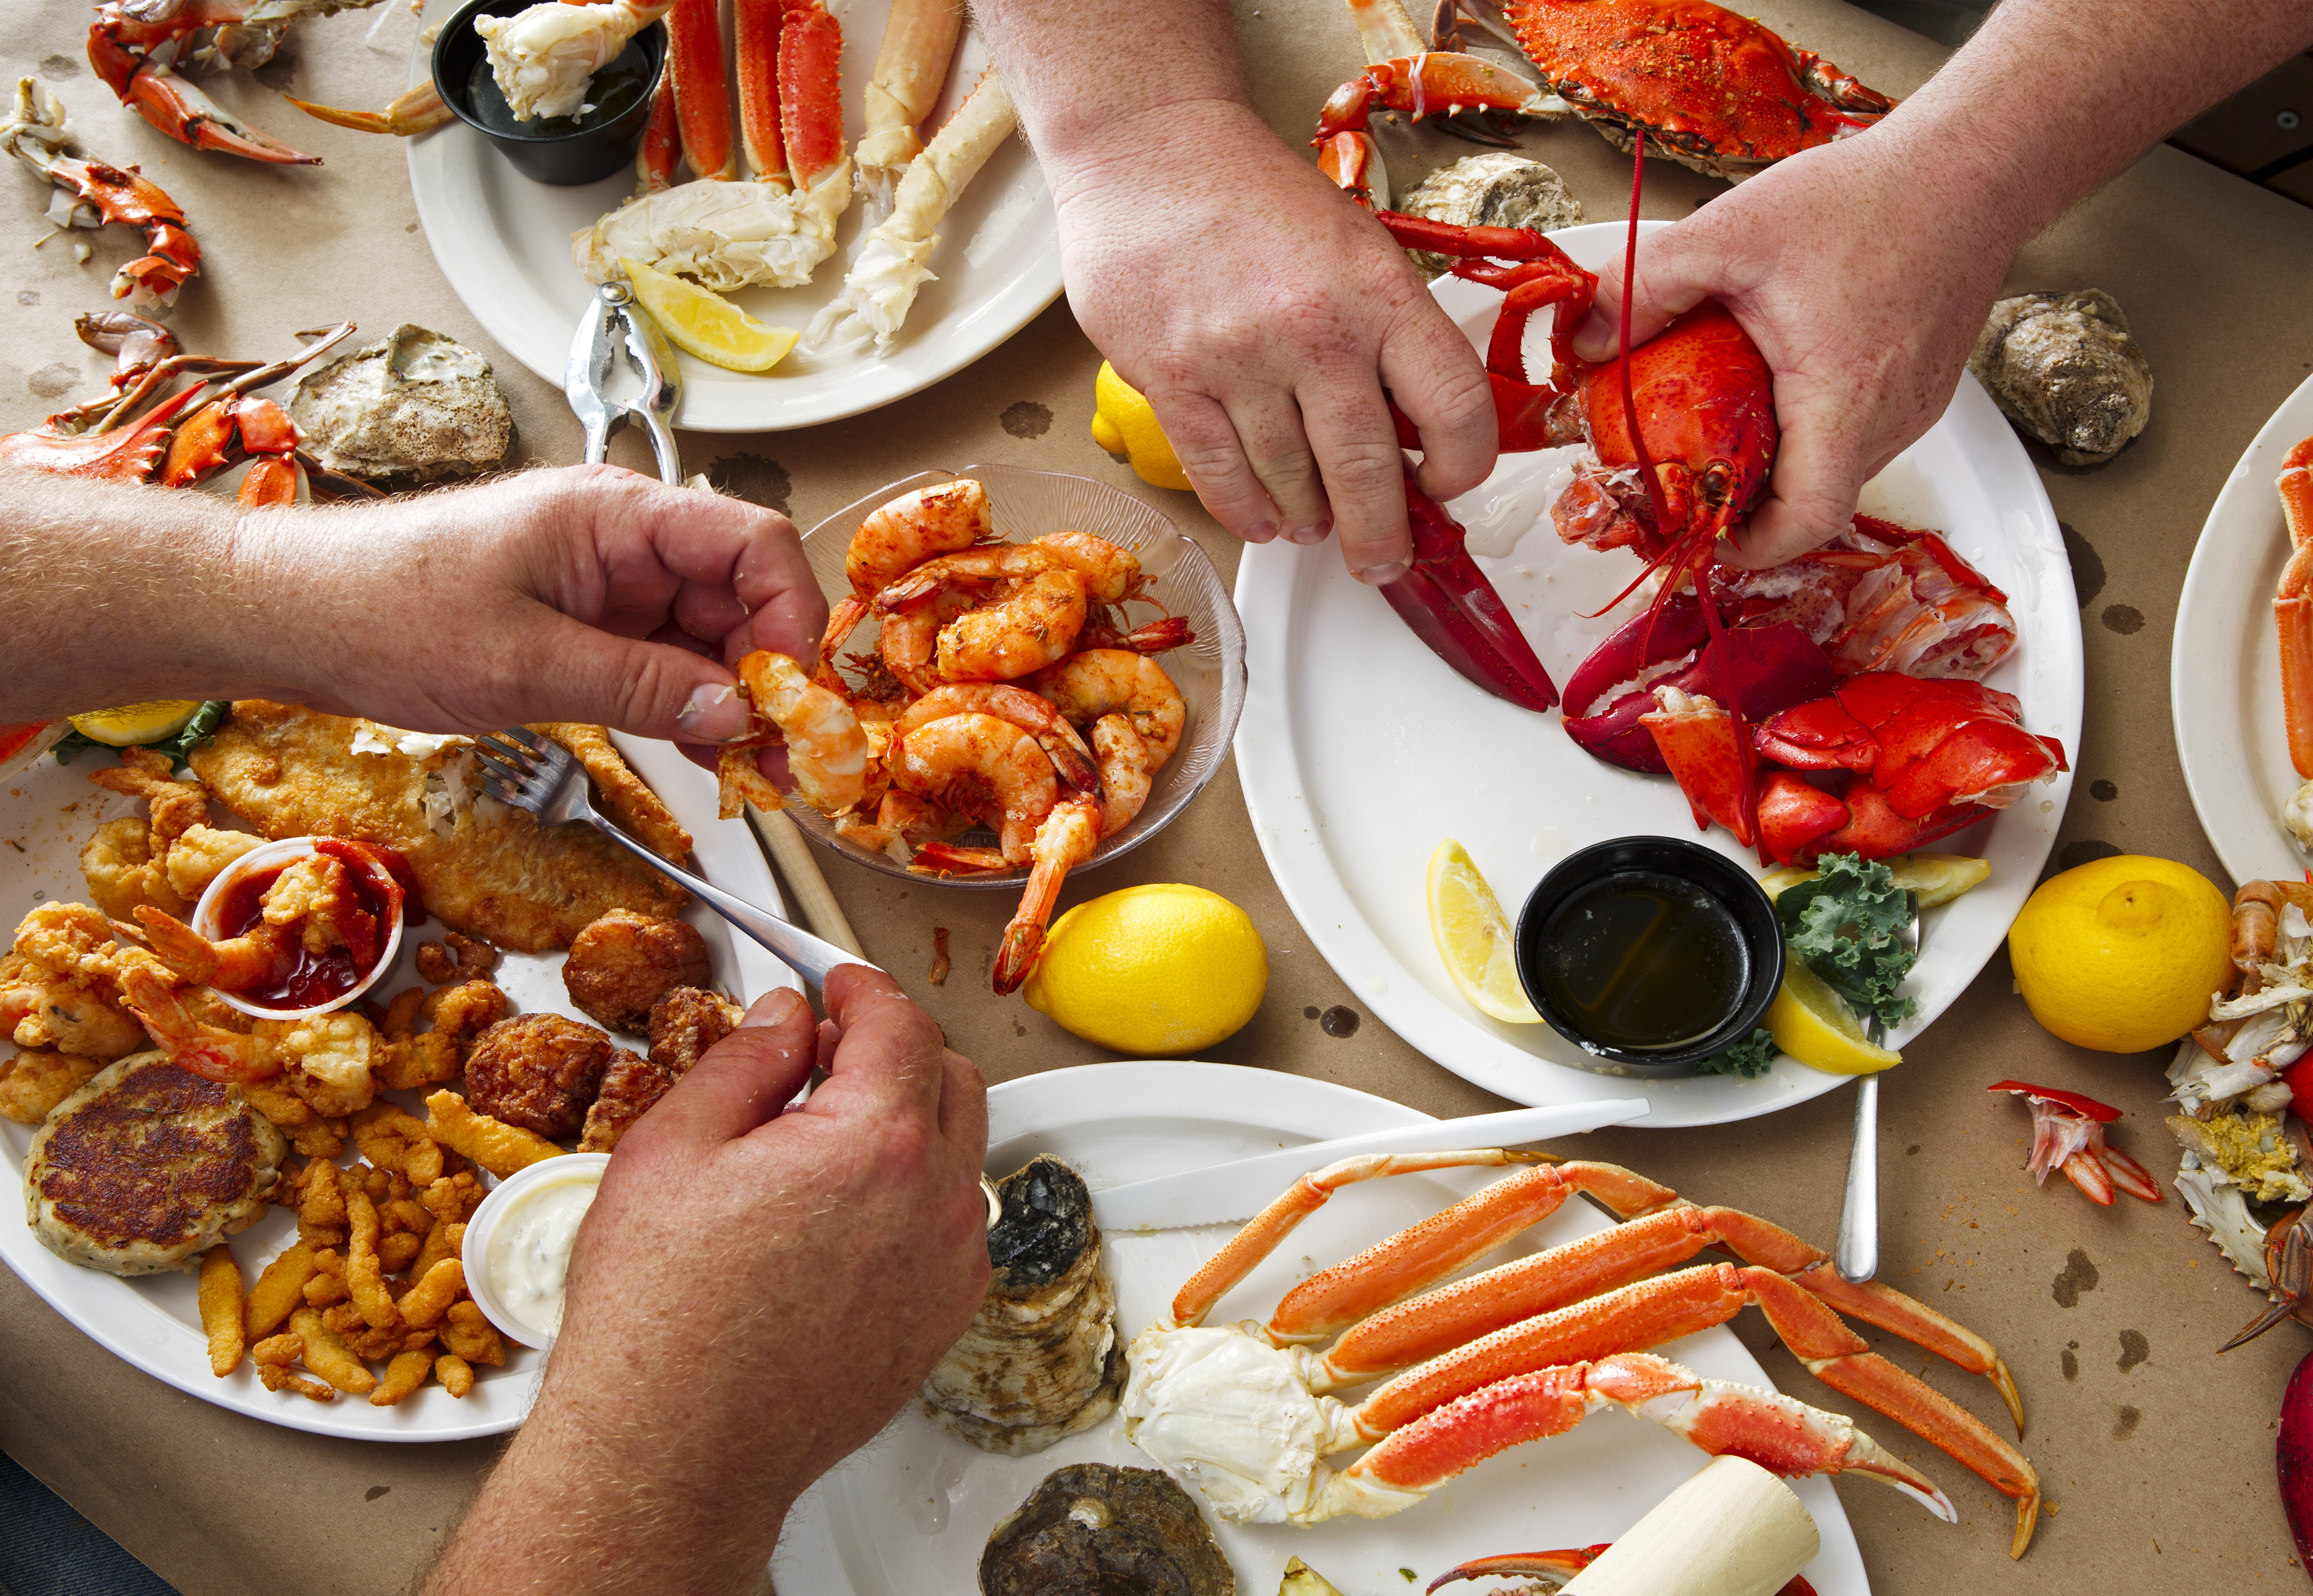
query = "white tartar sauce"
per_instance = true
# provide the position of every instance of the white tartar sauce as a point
(530, 1251)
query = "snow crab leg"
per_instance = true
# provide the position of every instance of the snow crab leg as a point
(2292, 606)
(1582, 1306)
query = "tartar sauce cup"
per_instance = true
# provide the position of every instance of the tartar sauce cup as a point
(529, 1269)
(207, 921)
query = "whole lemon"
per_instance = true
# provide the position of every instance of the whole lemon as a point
(1157, 970)
(2122, 954)
(1123, 422)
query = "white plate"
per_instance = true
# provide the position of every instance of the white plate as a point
(1359, 748)
(503, 243)
(912, 1510)
(153, 1322)
(2224, 667)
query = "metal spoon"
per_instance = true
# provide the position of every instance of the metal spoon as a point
(1857, 1257)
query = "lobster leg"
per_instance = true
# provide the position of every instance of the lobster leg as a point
(2292, 606)
(1787, 1437)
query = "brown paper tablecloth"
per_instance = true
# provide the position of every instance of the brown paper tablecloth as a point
(2157, 1455)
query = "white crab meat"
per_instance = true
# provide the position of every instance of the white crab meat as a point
(722, 235)
(1232, 1416)
(545, 58)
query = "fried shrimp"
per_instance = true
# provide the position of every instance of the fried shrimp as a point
(1032, 713)
(978, 765)
(894, 539)
(827, 752)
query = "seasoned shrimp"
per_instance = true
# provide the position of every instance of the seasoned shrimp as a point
(1032, 715)
(911, 529)
(1111, 573)
(1068, 838)
(902, 818)
(1104, 681)
(827, 752)
(1126, 771)
(1032, 626)
(1104, 630)
(977, 765)
(908, 644)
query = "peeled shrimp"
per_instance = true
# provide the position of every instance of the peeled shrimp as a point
(827, 751)
(1126, 772)
(943, 519)
(1066, 839)
(1104, 681)
(1032, 715)
(235, 964)
(977, 764)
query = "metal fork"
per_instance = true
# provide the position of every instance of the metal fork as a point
(541, 776)
(1857, 1257)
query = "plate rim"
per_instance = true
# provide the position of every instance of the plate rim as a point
(173, 1353)
(1267, 588)
(2209, 613)
(807, 1557)
(489, 295)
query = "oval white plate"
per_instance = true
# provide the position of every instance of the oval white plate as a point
(2224, 666)
(1359, 748)
(153, 1322)
(911, 1510)
(503, 243)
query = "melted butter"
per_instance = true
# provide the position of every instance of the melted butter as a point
(530, 1251)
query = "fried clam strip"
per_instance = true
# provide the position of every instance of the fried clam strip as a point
(895, 261)
(1584, 1306)
(629, 798)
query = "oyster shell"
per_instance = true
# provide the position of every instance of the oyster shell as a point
(1040, 1359)
(1495, 189)
(417, 405)
(1093, 1530)
(2065, 370)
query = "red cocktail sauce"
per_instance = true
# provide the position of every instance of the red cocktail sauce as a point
(311, 980)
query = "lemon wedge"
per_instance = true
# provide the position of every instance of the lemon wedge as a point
(706, 324)
(1124, 423)
(1937, 878)
(1813, 1025)
(135, 724)
(1474, 938)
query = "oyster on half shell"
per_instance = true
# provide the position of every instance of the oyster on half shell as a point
(1090, 1530)
(418, 405)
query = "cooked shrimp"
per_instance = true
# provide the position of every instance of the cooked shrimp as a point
(977, 765)
(909, 640)
(1066, 839)
(1104, 630)
(911, 529)
(1104, 681)
(1111, 573)
(1126, 771)
(827, 752)
(207, 1050)
(235, 964)
(902, 818)
(1032, 626)
(1032, 715)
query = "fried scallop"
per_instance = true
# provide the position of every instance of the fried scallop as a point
(1040, 1359)
(623, 963)
(146, 1166)
(684, 1024)
(487, 870)
(540, 1072)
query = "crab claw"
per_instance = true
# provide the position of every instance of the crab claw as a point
(179, 108)
(2068, 1132)
(1775, 667)
(1452, 608)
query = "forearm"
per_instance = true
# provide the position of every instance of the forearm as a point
(114, 593)
(2050, 99)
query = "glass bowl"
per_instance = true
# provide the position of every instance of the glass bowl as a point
(1026, 504)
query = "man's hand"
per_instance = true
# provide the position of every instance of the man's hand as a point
(1264, 316)
(1866, 338)
(587, 593)
(754, 1295)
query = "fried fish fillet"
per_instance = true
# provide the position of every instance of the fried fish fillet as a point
(487, 870)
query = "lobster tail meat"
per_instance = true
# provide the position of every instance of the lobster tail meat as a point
(1448, 603)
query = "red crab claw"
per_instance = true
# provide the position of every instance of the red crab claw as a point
(1795, 817)
(2068, 1132)
(1435, 84)
(1697, 741)
(1775, 667)
(1560, 1566)
(1453, 609)
(172, 103)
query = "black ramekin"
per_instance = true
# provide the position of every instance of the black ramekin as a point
(1715, 873)
(565, 159)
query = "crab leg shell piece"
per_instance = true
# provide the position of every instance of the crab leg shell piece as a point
(895, 260)
(1783, 1436)
(910, 64)
(756, 24)
(36, 134)
(1417, 1255)
(170, 102)
(2292, 606)
(702, 107)
(1431, 83)
(811, 96)
(1386, 30)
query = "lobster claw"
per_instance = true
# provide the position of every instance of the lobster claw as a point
(1697, 743)
(1453, 609)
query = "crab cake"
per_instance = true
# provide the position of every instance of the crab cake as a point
(147, 1165)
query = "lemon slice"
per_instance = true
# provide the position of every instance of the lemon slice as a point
(706, 324)
(1937, 878)
(135, 724)
(1813, 1024)
(1474, 939)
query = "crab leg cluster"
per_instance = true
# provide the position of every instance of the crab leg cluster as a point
(1525, 1349)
